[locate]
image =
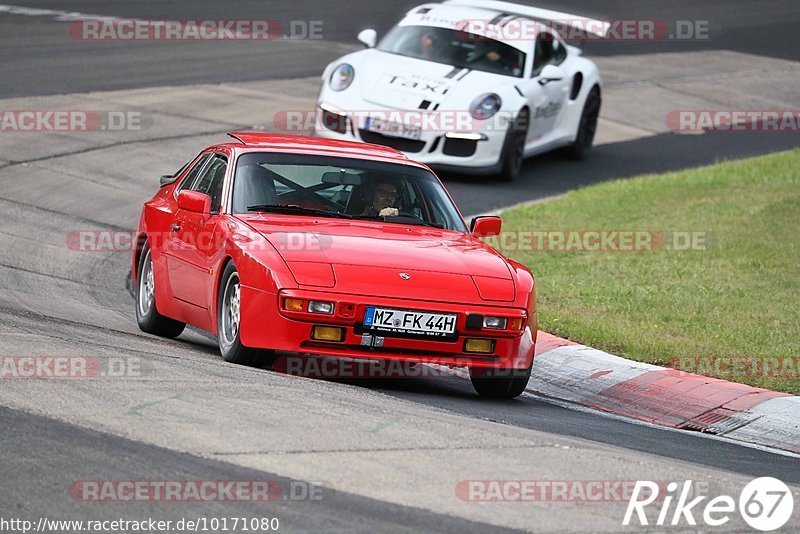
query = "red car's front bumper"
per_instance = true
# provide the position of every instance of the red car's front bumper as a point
(265, 325)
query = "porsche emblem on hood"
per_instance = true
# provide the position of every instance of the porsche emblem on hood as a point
(405, 276)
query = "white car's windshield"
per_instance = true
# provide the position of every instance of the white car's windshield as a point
(342, 188)
(456, 48)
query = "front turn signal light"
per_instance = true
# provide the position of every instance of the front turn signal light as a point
(295, 305)
(515, 324)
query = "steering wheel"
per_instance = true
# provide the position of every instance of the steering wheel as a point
(312, 200)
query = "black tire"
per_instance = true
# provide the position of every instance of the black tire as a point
(501, 383)
(147, 315)
(587, 127)
(228, 322)
(513, 153)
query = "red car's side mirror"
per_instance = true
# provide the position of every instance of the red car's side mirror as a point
(195, 202)
(486, 226)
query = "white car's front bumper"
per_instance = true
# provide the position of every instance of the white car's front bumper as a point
(457, 151)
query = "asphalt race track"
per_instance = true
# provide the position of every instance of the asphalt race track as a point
(39, 57)
(381, 456)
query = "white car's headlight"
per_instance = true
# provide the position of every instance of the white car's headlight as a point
(485, 106)
(341, 77)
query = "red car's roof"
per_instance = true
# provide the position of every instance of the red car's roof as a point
(314, 145)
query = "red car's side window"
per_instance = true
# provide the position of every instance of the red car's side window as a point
(190, 178)
(212, 180)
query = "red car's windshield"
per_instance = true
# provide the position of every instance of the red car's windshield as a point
(341, 187)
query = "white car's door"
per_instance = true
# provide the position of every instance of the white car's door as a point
(547, 89)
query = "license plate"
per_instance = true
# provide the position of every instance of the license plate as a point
(393, 129)
(406, 322)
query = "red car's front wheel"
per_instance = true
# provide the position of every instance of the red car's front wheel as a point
(500, 383)
(229, 320)
(147, 315)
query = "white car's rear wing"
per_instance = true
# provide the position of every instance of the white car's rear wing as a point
(598, 28)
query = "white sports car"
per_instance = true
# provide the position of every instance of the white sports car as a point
(470, 86)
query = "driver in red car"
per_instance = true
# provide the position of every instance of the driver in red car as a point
(383, 199)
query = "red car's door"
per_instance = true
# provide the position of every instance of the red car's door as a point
(194, 239)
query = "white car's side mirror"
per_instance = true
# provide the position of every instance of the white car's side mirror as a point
(551, 73)
(368, 37)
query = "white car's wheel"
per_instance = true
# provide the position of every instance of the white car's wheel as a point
(514, 147)
(587, 126)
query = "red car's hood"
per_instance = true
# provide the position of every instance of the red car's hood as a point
(368, 257)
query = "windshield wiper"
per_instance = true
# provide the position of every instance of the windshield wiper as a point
(300, 210)
(400, 219)
(440, 226)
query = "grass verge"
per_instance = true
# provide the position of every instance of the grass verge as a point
(718, 290)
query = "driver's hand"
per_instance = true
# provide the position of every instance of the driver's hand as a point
(389, 212)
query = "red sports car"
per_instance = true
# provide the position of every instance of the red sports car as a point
(331, 248)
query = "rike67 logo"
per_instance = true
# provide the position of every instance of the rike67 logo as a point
(765, 504)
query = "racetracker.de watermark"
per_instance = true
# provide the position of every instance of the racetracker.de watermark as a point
(69, 367)
(550, 491)
(734, 120)
(131, 491)
(601, 241)
(71, 120)
(355, 369)
(387, 121)
(573, 29)
(123, 241)
(132, 30)
(777, 367)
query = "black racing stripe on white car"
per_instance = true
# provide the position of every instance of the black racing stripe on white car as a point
(505, 21)
(467, 71)
(452, 73)
(497, 19)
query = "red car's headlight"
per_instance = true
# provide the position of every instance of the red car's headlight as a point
(495, 323)
(316, 306)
